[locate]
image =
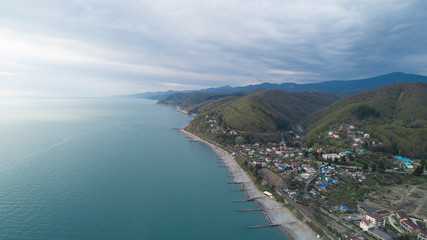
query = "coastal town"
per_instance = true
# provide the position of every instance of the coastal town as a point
(336, 184)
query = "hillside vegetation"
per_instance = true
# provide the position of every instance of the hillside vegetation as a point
(396, 114)
(261, 115)
(187, 100)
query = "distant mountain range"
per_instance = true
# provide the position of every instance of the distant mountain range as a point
(337, 86)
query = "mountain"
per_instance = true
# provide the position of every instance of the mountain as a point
(396, 114)
(262, 115)
(337, 86)
(151, 95)
(192, 101)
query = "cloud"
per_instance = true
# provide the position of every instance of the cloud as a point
(97, 47)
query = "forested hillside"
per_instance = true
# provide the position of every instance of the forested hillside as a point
(396, 114)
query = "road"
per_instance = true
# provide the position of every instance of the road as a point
(391, 221)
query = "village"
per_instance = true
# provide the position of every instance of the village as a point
(314, 178)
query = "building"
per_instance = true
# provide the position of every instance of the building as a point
(344, 209)
(331, 156)
(261, 162)
(365, 224)
(410, 227)
(377, 220)
(363, 208)
(422, 235)
(382, 235)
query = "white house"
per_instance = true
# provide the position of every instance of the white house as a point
(332, 156)
(377, 220)
(365, 224)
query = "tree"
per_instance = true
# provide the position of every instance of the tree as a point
(365, 166)
(381, 167)
(343, 160)
(374, 167)
(419, 170)
(239, 140)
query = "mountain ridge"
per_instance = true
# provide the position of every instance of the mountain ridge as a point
(336, 86)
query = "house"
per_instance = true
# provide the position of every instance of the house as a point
(377, 220)
(366, 135)
(360, 151)
(331, 156)
(344, 209)
(422, 235)
(363, 208)
(259, 162)
(409, 226)
(365, 224)
(314, 192)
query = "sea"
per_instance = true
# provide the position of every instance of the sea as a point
(113, 169)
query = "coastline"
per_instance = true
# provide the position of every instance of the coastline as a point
(275, 212)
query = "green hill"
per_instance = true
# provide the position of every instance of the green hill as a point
(261, 115)
(396, 114)
(191, 100)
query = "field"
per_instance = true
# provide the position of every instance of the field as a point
(411, 199)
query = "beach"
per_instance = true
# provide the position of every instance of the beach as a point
(275, 212)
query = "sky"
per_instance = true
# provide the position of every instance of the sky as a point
(95, 48)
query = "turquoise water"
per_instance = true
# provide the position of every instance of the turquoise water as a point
(113, 169)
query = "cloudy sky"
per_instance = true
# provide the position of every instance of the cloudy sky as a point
(109, 47)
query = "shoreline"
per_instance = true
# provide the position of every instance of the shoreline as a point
(274, 211)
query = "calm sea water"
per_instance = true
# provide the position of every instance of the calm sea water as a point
(112, 169)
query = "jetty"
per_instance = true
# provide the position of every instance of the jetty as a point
(235, 182)
(239, 190)
(250, 210)
(263, 226)
(247, 200)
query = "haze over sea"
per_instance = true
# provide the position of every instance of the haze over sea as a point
(113, 169)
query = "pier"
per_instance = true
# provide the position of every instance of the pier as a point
(250, 210)
(235, 182)
(239, 190)
(247, 200)
(263, 226)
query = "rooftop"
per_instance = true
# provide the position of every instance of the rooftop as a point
(380, 233)
(366, 207)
